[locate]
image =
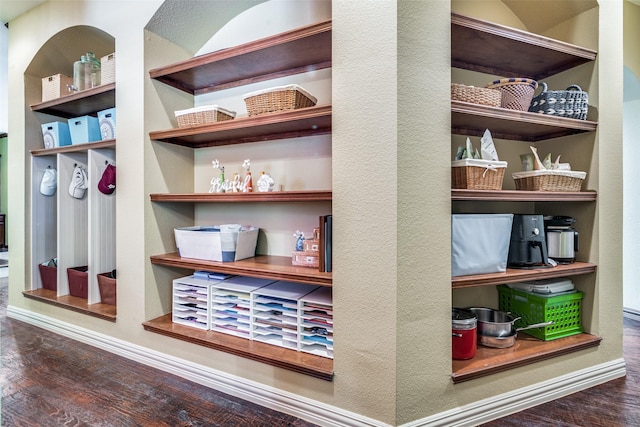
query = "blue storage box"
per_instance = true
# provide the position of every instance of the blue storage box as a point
(56, 134)
(107, 121)
(84, 129)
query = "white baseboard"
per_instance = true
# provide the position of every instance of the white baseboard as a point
(318, 412)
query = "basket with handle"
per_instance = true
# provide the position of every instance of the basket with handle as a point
(516, 92)
(475, 95)
(549, 180)
(572, 103)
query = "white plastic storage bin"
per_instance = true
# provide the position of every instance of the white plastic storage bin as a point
(215, 243)
(108, 69)
(275, 313)
(316, 323)
(56, 134)
(480, 243)
(191, 302)
(84, 129)
(231, 305)
(107, 122)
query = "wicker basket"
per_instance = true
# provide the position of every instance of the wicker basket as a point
(549, 180)
(572, 103)
(516, 92)
(279, 98)
(475, 95)
(475, 174)
(203, 115)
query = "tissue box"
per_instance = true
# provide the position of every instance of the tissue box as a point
(84, 129)
(107, 121)
(211, 244)
(56, 134)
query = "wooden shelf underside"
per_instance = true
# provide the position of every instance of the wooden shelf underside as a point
(297, 51)
(107, 143)
(522, 196)
(80, 103)
(514, 275)
(261, 266)
(304, 363)
(473, 119)
(527, 350)
(480, 46)
(80, 305)
(265, 127)
(275, 196)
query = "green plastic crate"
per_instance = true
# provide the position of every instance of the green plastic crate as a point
(565, 311)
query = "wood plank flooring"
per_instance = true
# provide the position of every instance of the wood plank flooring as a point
(49, 380)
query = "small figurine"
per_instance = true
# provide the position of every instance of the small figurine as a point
(299, 235)
(265, 183)
(247, 186)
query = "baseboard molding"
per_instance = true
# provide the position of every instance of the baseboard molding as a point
(260, 394)
(317, 412)
(515, 401)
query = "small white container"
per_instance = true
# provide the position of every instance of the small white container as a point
(211, 244)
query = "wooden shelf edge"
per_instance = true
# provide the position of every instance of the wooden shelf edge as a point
(108, 143)
(292, 360)
(80, 305)
(276, 196)
(260, 266)
(528, 350)
(74, 97)
(513, 275)
(519, 196)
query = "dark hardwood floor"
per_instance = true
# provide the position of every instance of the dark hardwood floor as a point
(48, 380)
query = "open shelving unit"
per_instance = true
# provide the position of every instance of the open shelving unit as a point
(480, 46)
(297, 51)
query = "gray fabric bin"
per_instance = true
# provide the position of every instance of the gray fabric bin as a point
(479, 243)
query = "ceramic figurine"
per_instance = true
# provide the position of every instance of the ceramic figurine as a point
(299, 235)
(265, 183)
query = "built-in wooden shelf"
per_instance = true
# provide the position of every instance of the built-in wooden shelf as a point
(297, 51)
(522, 196)
(47, 296)
(265, 127)
(480, 45)
(262, 266)
(304, 363)
(473, 119)
(515, 275)
(253, 197)
(80, 103)
(107, 143)
(527, 350)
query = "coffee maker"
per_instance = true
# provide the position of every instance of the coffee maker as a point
(528, 247)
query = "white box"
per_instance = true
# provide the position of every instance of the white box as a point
(191, 302)
(55, 86)
(107, 122)
(108, 69)
(480, 243)
(211, 244)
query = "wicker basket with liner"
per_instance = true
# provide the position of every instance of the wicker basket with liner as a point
(549, 180)
(475, 95)
(477, 174)
(280, 98)
(516, 92)
(572, 103)
(203, 115)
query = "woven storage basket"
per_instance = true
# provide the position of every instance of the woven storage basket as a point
(549, 180)
(279, 98)
(476, 174)
(475, 95)
(572, 103)
(516, 92)
(203, 115)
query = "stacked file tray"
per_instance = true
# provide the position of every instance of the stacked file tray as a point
(191, 302)
(231, 305)
(275, 313)
(316, 323)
